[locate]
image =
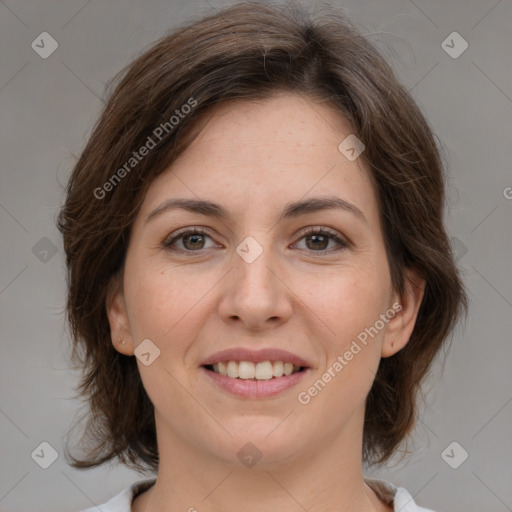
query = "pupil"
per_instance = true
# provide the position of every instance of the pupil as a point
(322, 238)
(194, 242)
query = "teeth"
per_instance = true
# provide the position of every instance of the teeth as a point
(277, 369)
(233, 369)
(246, 370)
(288, 368)
(264, 370)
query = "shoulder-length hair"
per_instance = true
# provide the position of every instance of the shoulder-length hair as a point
(251, 51)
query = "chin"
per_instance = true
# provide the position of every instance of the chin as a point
(265, 448)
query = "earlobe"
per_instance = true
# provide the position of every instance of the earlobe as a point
(401, 326)
(118, 318)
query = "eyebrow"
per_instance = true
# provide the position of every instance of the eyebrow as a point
(291, 210)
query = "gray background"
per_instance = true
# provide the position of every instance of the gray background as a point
(48, 108)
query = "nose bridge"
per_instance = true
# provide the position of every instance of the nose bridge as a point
(253, 262)
(255, 293)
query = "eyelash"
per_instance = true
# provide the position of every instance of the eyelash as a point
(320, 230)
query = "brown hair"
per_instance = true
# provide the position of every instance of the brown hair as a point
(251, 51)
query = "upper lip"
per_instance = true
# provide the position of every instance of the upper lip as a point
(255, 356)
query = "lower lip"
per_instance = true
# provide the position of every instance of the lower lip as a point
(255, 388)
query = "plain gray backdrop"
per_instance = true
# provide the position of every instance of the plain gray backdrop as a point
(48, 107)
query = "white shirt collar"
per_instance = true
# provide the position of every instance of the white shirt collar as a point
(398, 497)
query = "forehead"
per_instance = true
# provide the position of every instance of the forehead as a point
(263, 153)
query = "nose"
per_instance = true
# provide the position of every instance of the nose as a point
(255, 293)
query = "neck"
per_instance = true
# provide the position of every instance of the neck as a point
(314, 479)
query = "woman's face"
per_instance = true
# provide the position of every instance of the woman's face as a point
(261, 277)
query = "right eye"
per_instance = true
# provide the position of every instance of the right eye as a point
(192, 239)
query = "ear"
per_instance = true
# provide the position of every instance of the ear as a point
(118, 317)
(400, 327)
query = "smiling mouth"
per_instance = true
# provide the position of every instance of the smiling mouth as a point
(247, 370)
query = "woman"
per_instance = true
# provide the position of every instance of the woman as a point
(259, 274)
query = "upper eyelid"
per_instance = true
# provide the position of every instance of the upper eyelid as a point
(301, 232)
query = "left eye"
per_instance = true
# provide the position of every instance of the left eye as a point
(317, 240)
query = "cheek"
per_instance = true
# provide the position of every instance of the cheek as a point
(350, 302)
(163, 305)
(155, 300)
(348, 299)
(351, 307)
(164, 302)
